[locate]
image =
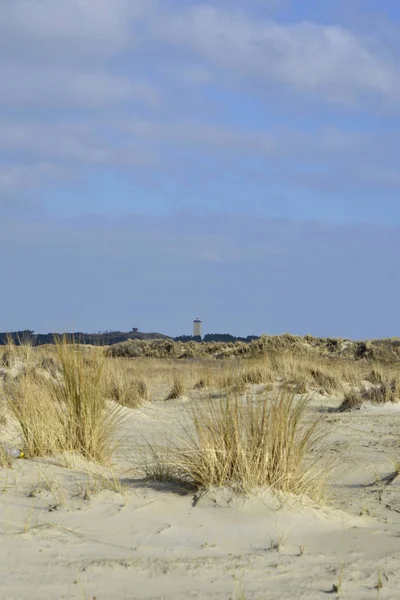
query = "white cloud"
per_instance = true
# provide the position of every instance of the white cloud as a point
(190, 74)
(88, 29)
(125, 76)
(76, 145)
(61, 88)
(202, 135)
(15, 178)
(327, 61)
(328, 157)
(323, 144)
(57, 53)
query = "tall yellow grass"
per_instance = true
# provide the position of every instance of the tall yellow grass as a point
(42, 419)
(178, 387)
(246, 443)
(91, 423)
(70, 413)
(125, 384)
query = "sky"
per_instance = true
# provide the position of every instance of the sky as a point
(233, 160)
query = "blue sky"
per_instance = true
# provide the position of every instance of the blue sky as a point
(236, 160)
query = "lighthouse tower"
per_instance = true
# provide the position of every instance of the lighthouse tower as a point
(197, 328)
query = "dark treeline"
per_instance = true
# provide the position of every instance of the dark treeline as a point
(216, 337)
(227, 337)
(107, 338)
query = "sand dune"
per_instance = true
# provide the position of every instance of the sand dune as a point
(64, 536)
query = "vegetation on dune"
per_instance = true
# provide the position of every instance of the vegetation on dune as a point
(380, 351)
(125, 385)
(5, 459)
(245, 444)
(69, 413)
(66, 398)
(352, 400)
(155, 345)
(178, 387)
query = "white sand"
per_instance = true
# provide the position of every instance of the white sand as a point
(151, 542)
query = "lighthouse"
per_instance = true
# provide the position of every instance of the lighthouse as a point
(197, 328)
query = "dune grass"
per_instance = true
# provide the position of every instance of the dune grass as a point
(42, 419)
(91, 423)
(387, 391)
(3, 416)
(5, 459)
(13, 352)
(352, 400)
(68, 414)
(124, 384)
(66, 400)
(246, 444)
(302, 373)
(178, 388)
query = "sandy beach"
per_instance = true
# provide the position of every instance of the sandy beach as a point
(65, 535)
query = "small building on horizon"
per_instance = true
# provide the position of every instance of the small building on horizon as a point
(197, 327)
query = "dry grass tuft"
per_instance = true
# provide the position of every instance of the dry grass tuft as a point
(13, 352)
(91, 424)
(253, 376)
(6, 356)
(5, 459)
(325, 380)
(3, 417)
(96, 483)
(246, 444)
(158, 463)
(49, 365)
(204, 377)
(41, 418)
(240, 386)
(69, 415)
(388, 391)
(125, 386)
(376, 376)
(300, 388)
(235, 383)
(352, 401)
(236, 379)
(178, 387)
(201, 384)
(350, 373)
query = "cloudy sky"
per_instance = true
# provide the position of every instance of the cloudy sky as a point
(236, 160)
